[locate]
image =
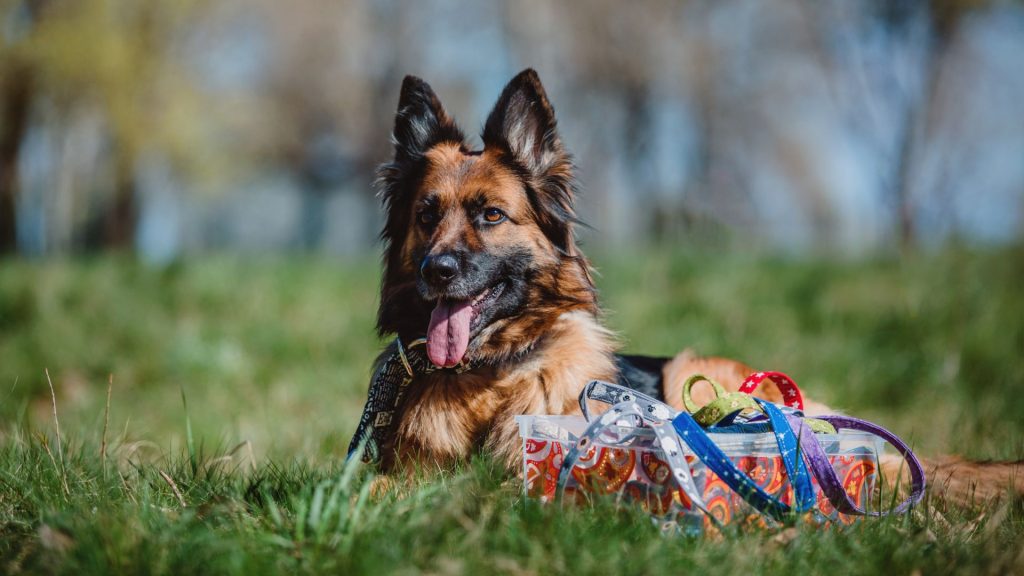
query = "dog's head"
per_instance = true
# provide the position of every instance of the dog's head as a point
(480, 252)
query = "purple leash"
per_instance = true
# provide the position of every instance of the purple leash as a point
(826, 474)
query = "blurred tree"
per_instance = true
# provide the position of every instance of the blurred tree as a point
(942, 18)
(15, 98)
(16, 86)
(623, 57)
(926, 30)
(114, 57)
(323, 125)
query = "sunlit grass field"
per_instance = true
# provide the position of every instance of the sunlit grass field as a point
(237, 383)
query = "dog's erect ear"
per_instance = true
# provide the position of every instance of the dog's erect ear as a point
(421, 122)
(523, 124)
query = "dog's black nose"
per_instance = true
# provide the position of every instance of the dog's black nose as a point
(440, 268)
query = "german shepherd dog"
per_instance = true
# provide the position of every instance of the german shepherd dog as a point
(481, 260)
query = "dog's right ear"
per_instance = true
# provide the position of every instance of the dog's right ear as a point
(421, 122)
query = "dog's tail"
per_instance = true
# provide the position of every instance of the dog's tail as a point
(959, 481)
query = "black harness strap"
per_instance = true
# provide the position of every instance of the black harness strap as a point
(387, 388)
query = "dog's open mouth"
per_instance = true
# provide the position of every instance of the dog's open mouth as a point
(452, 323)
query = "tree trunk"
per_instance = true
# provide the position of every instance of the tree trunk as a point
(121, 217)
(901, 181)
(919, 122)
(17, 99)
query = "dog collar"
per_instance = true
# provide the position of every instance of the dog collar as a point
(387, 388)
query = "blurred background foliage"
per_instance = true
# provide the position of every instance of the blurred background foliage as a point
(172, 127)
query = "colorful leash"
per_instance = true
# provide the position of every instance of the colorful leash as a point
(801, 429)
(728, 407)
(818, 460)
(826, 474)
(789, 390)
(692, 430)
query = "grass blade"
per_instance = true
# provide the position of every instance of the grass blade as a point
(60, 449)
(106, 424)
(189, 442)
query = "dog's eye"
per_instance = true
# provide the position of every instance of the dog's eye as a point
(425, 217)
(493, 215)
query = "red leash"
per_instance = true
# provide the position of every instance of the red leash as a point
(791, 395)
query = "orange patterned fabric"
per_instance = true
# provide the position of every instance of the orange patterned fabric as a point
(641, 477)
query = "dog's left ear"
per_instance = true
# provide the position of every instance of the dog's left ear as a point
(523, 126)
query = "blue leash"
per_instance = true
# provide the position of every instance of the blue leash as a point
(695, 436)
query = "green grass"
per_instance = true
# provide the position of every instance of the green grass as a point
(272, 358)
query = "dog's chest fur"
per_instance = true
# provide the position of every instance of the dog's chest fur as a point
(446, 416)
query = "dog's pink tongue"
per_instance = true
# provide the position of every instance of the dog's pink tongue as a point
(448, 335)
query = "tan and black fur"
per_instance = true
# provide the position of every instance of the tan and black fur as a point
(541, 339)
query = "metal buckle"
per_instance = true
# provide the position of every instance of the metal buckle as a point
(402, 356)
